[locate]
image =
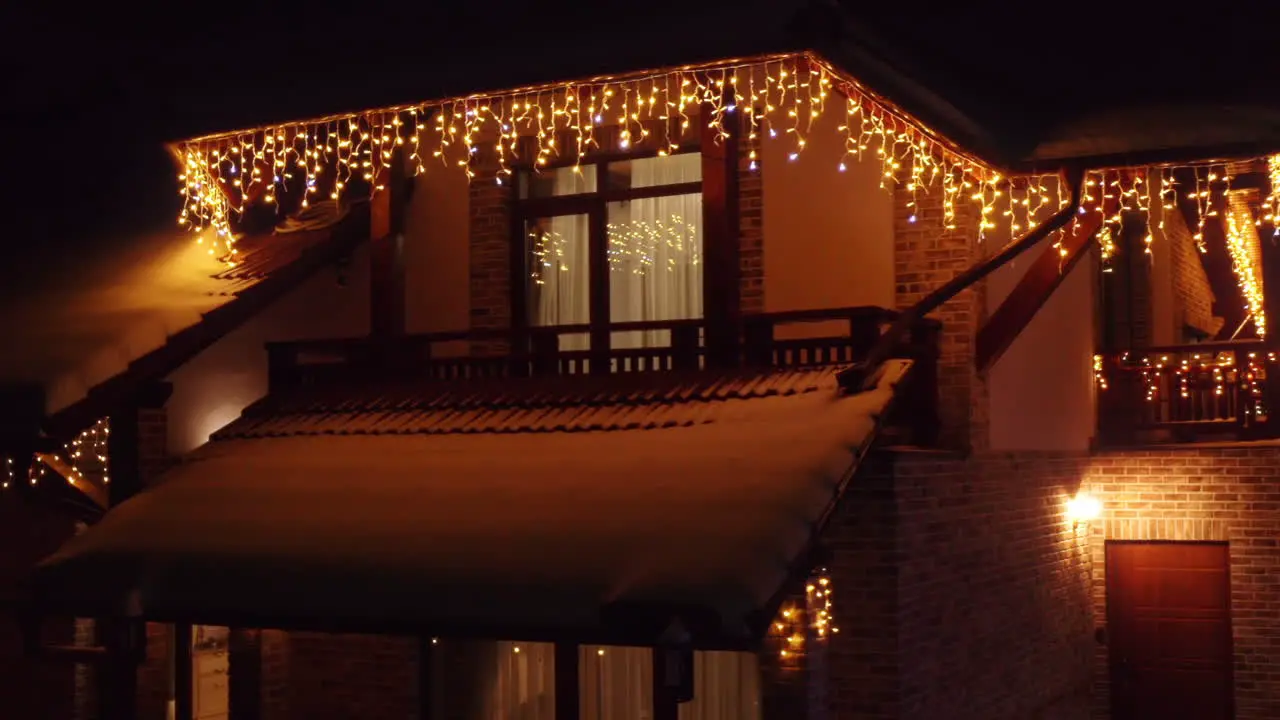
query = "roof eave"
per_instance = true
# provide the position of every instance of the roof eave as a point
(1196, 155)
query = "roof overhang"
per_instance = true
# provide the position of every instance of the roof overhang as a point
(599, 536)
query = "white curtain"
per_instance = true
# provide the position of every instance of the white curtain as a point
(655, 255)
(615, 683)
(655, 250)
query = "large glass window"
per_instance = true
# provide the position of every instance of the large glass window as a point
(614, 241)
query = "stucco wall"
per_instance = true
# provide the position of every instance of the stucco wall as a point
(213, 388)
(828, 235)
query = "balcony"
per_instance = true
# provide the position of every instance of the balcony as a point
(804, 339)
(1208, 392)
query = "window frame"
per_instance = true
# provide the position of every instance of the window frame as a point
(595, 206)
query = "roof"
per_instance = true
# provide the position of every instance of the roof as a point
(116, 308)
(1162, 130)
(515, 532)
(633, 401)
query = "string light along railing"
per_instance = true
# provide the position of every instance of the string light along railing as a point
(82, 461)
(780, 97)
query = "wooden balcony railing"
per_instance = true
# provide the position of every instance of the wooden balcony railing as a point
(790, 339)
(1187, 393)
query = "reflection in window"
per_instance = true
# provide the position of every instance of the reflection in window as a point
(654, 248)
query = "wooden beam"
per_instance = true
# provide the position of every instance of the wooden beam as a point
(77, 481)
(1036, 286)
(1033, 290)
(386, 249)
(721, 296)
(568, 692)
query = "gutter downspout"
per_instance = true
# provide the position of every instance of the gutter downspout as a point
(857, 378)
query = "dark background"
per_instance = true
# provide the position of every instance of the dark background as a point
(90, 93)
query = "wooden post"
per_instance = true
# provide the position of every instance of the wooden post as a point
(665, 706)
(721, 297)
(182, 673)
(1271, 314)
(244, 681)
(118, 681)
(426, 696)
(568, 694)
(386, 249)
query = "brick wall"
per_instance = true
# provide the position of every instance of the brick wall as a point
(1192, 294)
(30, 690)
(926, 256)
(1202, 494)
(345, 676)
(490, 228)
(750, 228)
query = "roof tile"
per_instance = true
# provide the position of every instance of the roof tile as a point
(633, 401)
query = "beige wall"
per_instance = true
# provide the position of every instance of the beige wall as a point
(828, 235)
(436, 250)
(1041, 390)
(213, 389)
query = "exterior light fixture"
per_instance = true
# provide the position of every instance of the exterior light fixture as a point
(1083, 508)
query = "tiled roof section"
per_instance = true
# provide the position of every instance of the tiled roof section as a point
(632, 401)
(261, 255)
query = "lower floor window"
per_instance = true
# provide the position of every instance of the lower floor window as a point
(497, 681)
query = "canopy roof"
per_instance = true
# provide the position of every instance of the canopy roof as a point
(509, 532)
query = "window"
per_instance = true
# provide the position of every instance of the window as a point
(612, 241)
(505, 680)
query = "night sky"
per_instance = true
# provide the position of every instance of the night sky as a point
(108, 85)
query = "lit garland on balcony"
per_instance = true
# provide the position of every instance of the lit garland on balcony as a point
(1248, 276)
(816, 616)
(1270, 203)
(779, 97)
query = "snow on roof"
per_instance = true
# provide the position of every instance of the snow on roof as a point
(527, 530)
(1161, 127)
(111, 306)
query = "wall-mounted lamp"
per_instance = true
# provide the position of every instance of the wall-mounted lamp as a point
(1083, 508)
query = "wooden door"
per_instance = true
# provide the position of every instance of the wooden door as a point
(1169, 627)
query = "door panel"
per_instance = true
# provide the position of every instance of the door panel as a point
(1169, 623)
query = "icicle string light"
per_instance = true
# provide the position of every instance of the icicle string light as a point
(780, 97)
(1242, 241)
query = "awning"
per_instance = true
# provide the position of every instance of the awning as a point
(531, 533)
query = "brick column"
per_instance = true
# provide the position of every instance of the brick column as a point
(927, 255)
(750, 228)
(490, 230)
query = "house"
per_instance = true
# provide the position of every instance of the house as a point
(769, 385)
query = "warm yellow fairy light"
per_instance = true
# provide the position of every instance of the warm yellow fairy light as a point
(85, 457)
(778, 97)
(1271, 203)
(814, 616)
(1242, 240)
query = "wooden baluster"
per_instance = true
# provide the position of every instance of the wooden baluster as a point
(864, 331)
(684, 347)
(758, 336)
(546, 352)
(1239, 391)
